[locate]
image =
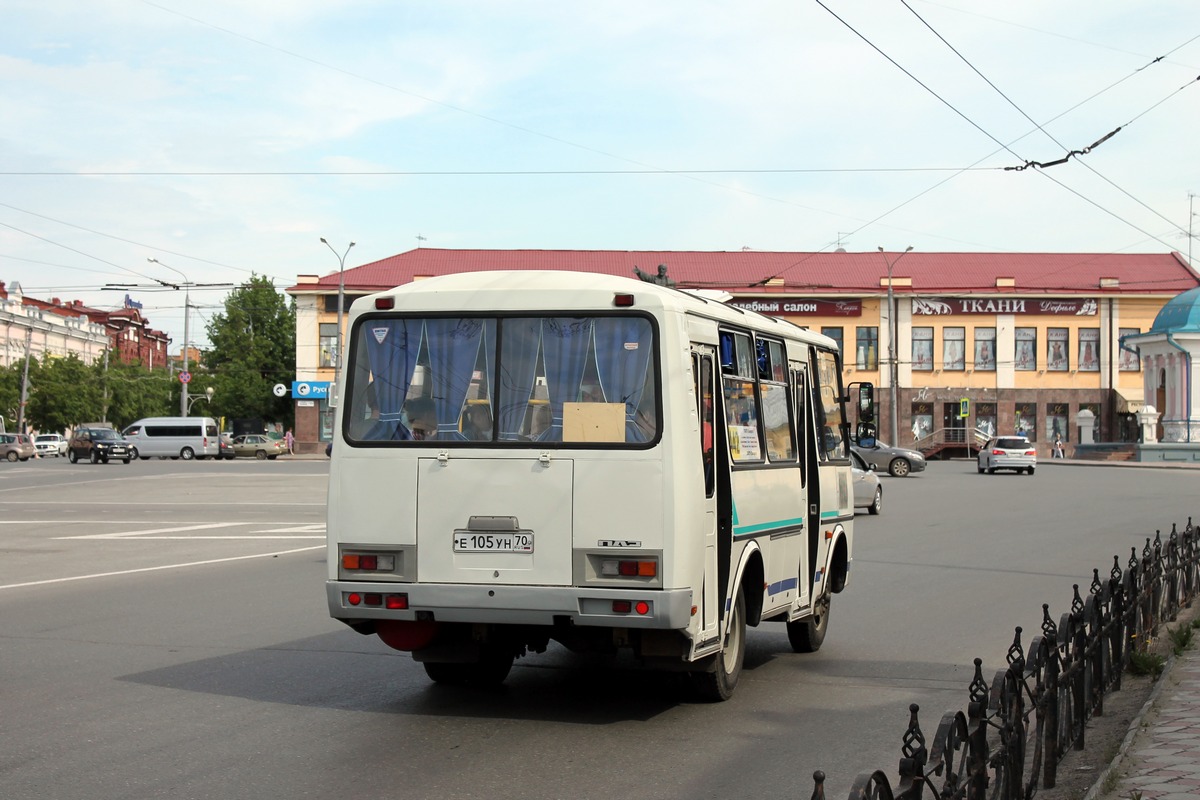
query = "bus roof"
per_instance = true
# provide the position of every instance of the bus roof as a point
(521, 290)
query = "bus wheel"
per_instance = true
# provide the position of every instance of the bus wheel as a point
(719, 684)
(490, 670)
(806, 635)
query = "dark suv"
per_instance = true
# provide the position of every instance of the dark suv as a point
(98, 445)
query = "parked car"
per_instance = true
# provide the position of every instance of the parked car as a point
(1008, 452)
(258, 445)
(98, 446)
(50, 444)
(898, 461)
(16, 447)
(868, 491)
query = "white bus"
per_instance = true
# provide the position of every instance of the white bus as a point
(533, 456)
(174, 437)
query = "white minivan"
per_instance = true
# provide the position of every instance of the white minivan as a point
(174, 437)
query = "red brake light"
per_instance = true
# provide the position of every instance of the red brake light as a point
(396, 601)
(1031, 452)
(622, 606)
(642, 607)
(997, 452)
(368, 562)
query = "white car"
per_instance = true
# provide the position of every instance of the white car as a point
(50, 444)
(868, 491)
(1008, 452)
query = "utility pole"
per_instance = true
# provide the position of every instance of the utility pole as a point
(25, 380)
(893, 332)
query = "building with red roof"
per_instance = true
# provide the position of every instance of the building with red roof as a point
(55, 328)
(1027, 339)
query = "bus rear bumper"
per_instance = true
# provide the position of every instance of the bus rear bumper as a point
(666, 609)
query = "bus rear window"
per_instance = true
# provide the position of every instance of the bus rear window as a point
(502, 380)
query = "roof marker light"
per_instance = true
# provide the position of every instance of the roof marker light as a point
(385, 303)
(623, 300)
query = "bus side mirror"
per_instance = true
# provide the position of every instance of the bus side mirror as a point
(864, 435)
(866, 401)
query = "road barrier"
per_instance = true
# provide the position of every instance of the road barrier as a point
(1014, 734)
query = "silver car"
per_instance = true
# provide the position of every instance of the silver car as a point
(1008, 452)
(898, 461)
(868, 491)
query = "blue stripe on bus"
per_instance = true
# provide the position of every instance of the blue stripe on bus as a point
(765, 527)
(783, 586)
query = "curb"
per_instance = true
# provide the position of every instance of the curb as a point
(1135, 727)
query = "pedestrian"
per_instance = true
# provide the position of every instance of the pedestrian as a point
(1058, 447)
(290, 441)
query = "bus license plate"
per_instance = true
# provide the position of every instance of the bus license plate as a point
(493, 542)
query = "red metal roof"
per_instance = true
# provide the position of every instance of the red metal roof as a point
(747, 272)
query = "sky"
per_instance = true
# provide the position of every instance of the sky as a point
(225, 139)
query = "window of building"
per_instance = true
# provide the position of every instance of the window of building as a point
(1026, 424)
(1058, 344)
(328, 344)
(985, 419)
(1131, 358)
(1025, 357)
(922, 421)
(1056, 422)
(922, 348)
(985, 349)
(867, 348)
(331, 304)
(954, 342)
(1089, 349)
(836, 335)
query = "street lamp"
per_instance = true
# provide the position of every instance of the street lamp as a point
(184, 406)
(893, 371)
(337, 357)
(208, 395)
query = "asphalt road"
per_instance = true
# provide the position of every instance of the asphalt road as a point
(163, 633)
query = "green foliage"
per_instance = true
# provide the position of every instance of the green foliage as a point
(10, 394)
(253, 348)
(1181, 638)
(62, 393)
(1151, 664)
(135, 392)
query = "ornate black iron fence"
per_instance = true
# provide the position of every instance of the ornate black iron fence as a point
(1013, 735)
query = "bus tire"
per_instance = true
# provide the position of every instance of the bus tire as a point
(491, 669)
(806, 635)
(187, 454)
(718, 684)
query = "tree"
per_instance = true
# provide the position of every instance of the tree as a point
(63, 392)
(253, 348)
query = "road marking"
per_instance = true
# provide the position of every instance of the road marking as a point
(155, 569)
(291, 532)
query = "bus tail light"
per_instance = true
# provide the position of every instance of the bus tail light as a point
(628, 568)
(368, 562)
(628, 606)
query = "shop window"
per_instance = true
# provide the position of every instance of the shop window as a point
(922, 348)
(836, 334)
(985, 419)
(867, 348)
(328, 344)
(1056, 422)
(1058, 344)
(1131, 358)
(985, 349)
(1026, 421)
(954, 348)
(1025, 357)
(922, 421)
(1089, 349)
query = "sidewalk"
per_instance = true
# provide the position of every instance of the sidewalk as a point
(1160, 756)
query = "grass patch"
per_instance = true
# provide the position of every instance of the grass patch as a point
(1181, 638)
(1151, 664)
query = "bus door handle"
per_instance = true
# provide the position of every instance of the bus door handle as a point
(812, 509)
(544, 459)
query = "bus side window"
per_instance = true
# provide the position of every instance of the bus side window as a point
(702, 369)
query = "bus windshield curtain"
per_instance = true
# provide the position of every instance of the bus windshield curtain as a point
(623, 347)
(453, 352)
(521, 339)
(565, 344)
(392, 348)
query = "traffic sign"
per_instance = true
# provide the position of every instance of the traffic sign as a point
(185, 377)
(309, 390)
(964, 408)
(280, 390)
